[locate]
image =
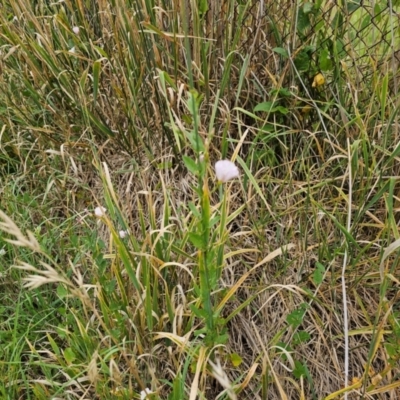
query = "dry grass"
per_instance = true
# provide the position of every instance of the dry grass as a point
(229, 291)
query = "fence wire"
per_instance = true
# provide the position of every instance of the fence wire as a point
(362, 37)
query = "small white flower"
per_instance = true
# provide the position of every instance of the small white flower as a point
(226, 170)
(75, 29)
(144, 393)
(100, 212)
(123, 234)
(72, 50)
(2, 252)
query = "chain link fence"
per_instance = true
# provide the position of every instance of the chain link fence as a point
(329, 37)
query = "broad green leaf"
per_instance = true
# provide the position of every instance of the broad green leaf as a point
(62, 292)
(318, 274)
(195, 141)
(295, 318)
(300, 337)
(69, 355)
(191, 165)
(300, 369)
(197, 240)
(303, 21)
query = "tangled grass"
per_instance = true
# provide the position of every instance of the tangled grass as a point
(127, 270)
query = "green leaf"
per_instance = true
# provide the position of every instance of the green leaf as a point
(325, 62)
(221, 339)
(268, 106)
(62, 292)
(303, 21)
(265, 106)
(300, 337)
(281, 92)
(96, 78)
(282, 110)
(302, 60)
(282, 51)
(191, 165)
(213, 221)
(352, 5)
(194, 210)
(392, 350)
(198, 313)
(196, 141)
(295, 318)
(308, 8)
(197, 240)
(102, 128)
(300, 369)
(69, 355)
(203, 7)
(318, 275)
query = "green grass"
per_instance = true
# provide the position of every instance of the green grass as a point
(272, 285)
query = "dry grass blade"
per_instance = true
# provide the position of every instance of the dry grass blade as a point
(238, 284)
(220, 375)
(124, 108)
(7, 225)
(42, 277)
(388, 251)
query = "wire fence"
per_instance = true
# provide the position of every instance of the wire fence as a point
(325, 36)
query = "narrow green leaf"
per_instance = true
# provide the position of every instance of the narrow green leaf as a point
(283, 52)
(96, 77)
(103, 128)
(384, 90)
(265, 106)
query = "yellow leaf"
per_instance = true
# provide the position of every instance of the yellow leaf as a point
(236, 359)
(306, 109)
(376, 379)
(319, 80)
(355, 380)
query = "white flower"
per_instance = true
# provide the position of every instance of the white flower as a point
(75, 29)
(144, 393)
(100, 212)
(2, 252)
(123, 234)
(226, 170)
(72, 50)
